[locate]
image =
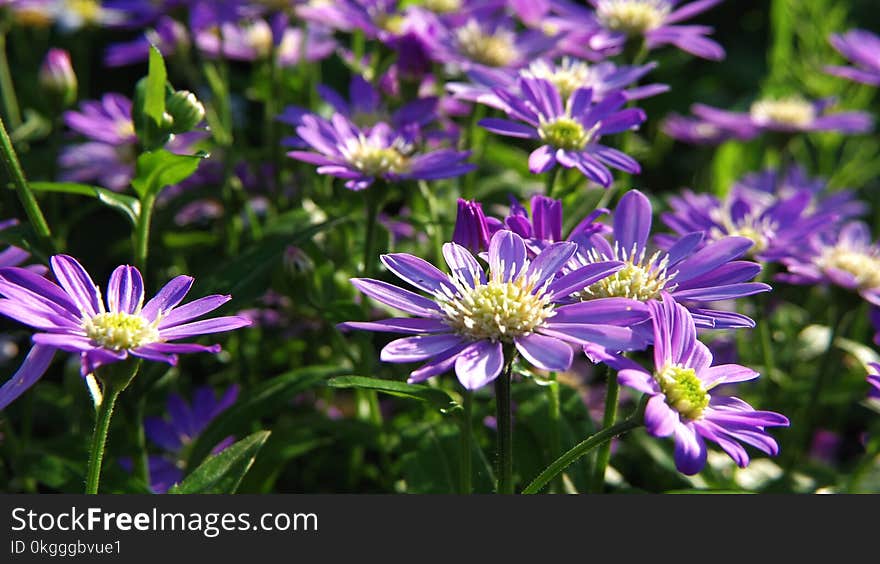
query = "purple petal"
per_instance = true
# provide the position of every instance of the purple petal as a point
(727, 292)
(439, 364)
(463, 265)
(544, 352)
(690, 450)
(216, 325)
(613, 311)
(169, 296)
(35, 316)
(549, 262)
(608, 336)
(638, 379)
(397, 298)
(712, 256)
(660, 419)
(479, 363)
(507, 255)
(69, 343)
(193, 309)
(412, 325)
(690, 10)
(508, 128)
(632, 221)
(413, 349)
(34, 366)
(541, 159)
(77, 283)
(125, 292)
(177, 348)
(420, 273)
(577, 280)
(726, 374)
(25, 286)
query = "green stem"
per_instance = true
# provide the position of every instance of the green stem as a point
(375, 196)
(141, 459)
(99, 438)
(505, 431)
(603, 455)
(465, 464)
(10, 101)
(436, 230)
(551, 181)
(142, 232)
(583, 448)
(555, 415)
(28, 201)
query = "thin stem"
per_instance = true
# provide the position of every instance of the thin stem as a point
(28, 201)
(374, 197)
(505, 431)
(555, 415)
(142, 232)
(436, 231)
(99, 438)
(551, 181)
(10, 101)
(465, 462)
(141, 459)
(603, 455)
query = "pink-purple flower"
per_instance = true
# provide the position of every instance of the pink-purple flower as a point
(862, 48)
(473, 321)
(73, 316)
(680, 385)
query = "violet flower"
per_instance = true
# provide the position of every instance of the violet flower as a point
(472, 321)
(168, 35)
(15, 256)
(569, 131)
(73, 317)
(863, 49)
(695, 131)
(471, 230)
(874, 380)
(681, 404)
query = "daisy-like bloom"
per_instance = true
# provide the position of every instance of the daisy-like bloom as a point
(654, 20)
(177, 431)
(343, 150)
(862, 48)
(168, 35)
(72, 316)
(792, 114)
(874, 380)
(693, 273)
(567, 76)
(846, 258)
(695, 131)
(68, 15)
(775, 210)
(681, 404)
(473, 320)
(108, 157)
(471, 229)
(570, 131)
(491, 43)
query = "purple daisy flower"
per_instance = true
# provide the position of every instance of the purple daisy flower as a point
(774, 210)
(862, 48)
(343, 150)
(471, 319)
(695, 131)
(182, 426)
(874, 380)
(471, 229)
(654, 20)
(679, 386)
(846, 258)
(72, 316)
(14, 256)
(791, 114)
(570, 131)
(168, 35)
(689, 271)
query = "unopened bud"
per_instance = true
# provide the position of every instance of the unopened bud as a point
(185, 110)
(57, 76)
(471, 229)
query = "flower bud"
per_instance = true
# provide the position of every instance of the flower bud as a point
(185, 110)
(471, 230)
(57, 77)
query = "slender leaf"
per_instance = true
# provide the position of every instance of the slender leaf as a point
(129, 206)
(223, 472)
(154, 96)
(436, 397)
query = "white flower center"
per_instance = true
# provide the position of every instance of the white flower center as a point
(120, 331)
(639, 279)
(566, 133)
(497, 310)
(751, 226)
(567, 76)
(493, 50)
(258, 36)
(376, 161)
(632, 17)
(684, 392)
(89, 11)
(863, 264)
(792, 111)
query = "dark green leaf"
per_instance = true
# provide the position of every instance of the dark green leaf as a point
(154, 96)
(128, 205)
(160, 168)
(223, 472)
(436, 397)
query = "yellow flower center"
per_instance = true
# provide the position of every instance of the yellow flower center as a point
(493, 50)
(88, 10)
(376, 161)
(567, 76)
(632, 17)
(863, 264)
(639, 279)
(684, 392)
(498, 311)
(565, 133)
(752, 226)
(120, 331)
(792, 111)
(258, 36)
(441, 6)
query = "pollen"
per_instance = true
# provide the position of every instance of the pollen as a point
(442, 6)
(684, 392)
(565, 133)
(376, 161)
(88, 10)
(567, 76)
(641, 278)
(497, 310)
(120, 331)
(760, 230)
(490, 49)
(632, 17)
(862, 263)
(793, 111)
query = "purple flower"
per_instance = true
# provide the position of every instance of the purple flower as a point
(14, 256)
(654, 20)
(343, 150)
(569, 131)
(775, 210)
(177, 431)
(791, 114)
(681, 404)
(471, 230)
(874, 316)
(863, 49)
(472, 322)
(72, 316)
(874, 380)
(695, 131)
(57, 77)
(689, 271)
(169, 36)
(846, 258)
(69, 16)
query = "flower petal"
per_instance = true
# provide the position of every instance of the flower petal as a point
(34, 366)
(414, 349)
(545, 352)
(507, 255)
(418, 272)
(196, 328)
(77, 283)
(479, 363)
(397, 298)
(169, 296)
(660, 419)
(193, 309)
(690, 450)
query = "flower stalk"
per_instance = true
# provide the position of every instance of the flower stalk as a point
(505, 431)
(603, 455)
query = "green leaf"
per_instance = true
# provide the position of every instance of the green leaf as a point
(265, 400)
(160, 168)
(436, 397)
(129, 206)
(223, 472)
(154, 96)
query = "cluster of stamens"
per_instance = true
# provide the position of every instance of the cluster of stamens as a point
(632, 17)
(567, 76)
(496, 310)
(441, 6)
(759, 230)
(120, 331)
(684, 391)
(375, 160)
(793, 111)
(491, 49)
(862, 263)
(640, 278)
(566, 133)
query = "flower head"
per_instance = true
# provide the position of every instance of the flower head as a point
(570, 131)
(72, 316)
(57, 76)
(682, 403)
(473, 319)
(471, 230)
(490, 43)
(863, 49)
